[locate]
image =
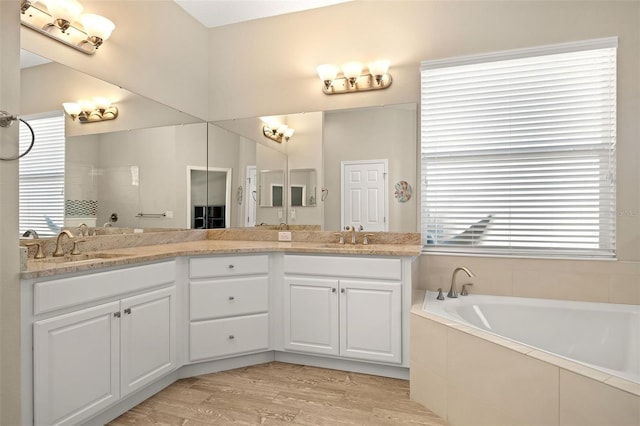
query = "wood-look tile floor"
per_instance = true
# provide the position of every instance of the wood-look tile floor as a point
(282, 394)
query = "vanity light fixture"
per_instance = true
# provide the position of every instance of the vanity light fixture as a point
(278, 134)
(352, 79)
(91, 112)
(58, 19)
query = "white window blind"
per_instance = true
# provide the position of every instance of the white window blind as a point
(42, 176)
(518, 155)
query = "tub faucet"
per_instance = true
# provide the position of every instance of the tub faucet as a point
(453, 293)
(59, 252)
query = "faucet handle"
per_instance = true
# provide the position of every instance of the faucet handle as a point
(39, 253)
(464, 291)
(365, 239)
(75, 250)
(341, 240)
(440, 295)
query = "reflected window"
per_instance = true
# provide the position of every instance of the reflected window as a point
(41, 175)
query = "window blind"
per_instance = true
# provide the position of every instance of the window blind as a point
(518, 155)
(42, 176)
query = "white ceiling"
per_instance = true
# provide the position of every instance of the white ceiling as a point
(214, 13)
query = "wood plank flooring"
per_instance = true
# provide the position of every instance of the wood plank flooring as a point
(282, 394)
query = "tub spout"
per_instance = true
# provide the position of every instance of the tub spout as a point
(453, 292)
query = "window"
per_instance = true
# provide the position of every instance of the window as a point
(42, 176)
(518, 152)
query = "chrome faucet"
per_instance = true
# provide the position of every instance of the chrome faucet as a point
(59, 252)
(352, 229)
(453, 293)
(30, 233)
(84, 229)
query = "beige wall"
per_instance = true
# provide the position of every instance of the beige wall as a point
(156, 50)
(407, 32)
(9, 257)
(372, 134)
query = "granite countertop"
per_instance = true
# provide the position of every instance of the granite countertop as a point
(122, 256)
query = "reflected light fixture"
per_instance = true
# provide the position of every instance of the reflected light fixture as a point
(353, 79)
(279, 133)
(100, 109)
(63, 21)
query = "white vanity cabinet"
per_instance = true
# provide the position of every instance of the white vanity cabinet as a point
(86, 359)
(351, 307)
(228, 306)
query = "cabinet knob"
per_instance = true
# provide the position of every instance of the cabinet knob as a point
(333, 290)
(231, 266)
(232, 298)
(116, 314)
(231, 337)
(342, 290)
(127, 311)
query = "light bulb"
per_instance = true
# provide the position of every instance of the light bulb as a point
(64, 12)
(97, 27)
(72, 108)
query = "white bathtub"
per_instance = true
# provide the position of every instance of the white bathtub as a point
(603, 336)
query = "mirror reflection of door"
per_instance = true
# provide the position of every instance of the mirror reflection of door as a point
(251, 197)
(211, 210)
(364, 194)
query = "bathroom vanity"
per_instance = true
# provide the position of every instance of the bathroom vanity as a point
(114, 331)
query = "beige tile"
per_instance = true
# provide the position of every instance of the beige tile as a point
(570, 365)
(517, 386)
(466, 409)
(428, 346)
(625, 385)
(549, 284)
(624, 288)
(586, 402)
(429, 389)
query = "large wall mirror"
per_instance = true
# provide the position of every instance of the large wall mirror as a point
(314, 162)
(147, 168)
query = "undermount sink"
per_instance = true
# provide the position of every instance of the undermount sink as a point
(74, 258)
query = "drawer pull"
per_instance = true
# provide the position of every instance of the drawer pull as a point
(116, 314)
(232, 298)
(231, 337)
(127, 311)
(231, 266)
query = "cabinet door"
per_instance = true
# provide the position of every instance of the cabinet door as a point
(148, 338)
(76, 370)
(311, 315)
(371, 320)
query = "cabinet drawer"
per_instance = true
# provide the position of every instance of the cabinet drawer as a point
(65, 292)
(228, 336)
(383, 268)
(228, 297)
(223, 266)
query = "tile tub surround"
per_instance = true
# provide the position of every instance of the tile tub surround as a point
(583, 280)
(470, 377)
(137, 248)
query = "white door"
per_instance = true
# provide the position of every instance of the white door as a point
(371, 320)
(364, 195)
(148, 337)
(76, 364)
(251, 197)
(311, 315)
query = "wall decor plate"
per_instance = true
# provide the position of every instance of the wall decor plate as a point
(403, 191)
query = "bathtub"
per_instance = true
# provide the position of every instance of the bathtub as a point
(602, 336)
